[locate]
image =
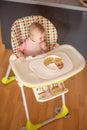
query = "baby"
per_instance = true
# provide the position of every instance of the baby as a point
(35, 44)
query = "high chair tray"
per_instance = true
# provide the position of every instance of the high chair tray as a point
(35, 72)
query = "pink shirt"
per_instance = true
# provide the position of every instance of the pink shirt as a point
(30, 47)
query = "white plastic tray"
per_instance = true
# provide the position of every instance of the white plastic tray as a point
(31, 76)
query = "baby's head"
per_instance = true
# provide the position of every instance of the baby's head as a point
(37, 32)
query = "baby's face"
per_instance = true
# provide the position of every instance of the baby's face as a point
(38, 37)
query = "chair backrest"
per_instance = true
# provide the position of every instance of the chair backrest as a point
(20, 30)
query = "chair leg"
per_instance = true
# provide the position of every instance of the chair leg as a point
(29, 126)
(24, 100)
(7, 79)
(63, 111)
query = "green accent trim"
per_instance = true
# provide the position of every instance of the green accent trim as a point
(63, 112)
(7, 80)
(30, 126)
(54, 82)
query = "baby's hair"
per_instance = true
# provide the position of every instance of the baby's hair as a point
(36, 26)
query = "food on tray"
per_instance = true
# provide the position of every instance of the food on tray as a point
(58, 61)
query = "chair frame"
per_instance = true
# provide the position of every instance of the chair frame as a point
(62, 112)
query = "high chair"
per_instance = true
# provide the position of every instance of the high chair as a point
(41, 73)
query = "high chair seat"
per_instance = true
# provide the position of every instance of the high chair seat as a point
(20, 30)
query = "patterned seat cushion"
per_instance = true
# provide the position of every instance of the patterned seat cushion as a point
(20, 30)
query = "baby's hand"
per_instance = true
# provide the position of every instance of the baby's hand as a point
(21, 56)
(52, 46)
(44, 46)
(56, 45)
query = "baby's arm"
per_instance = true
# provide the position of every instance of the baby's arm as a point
(20, 52)
(46, 48)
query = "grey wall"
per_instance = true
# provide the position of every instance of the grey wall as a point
(71, 25)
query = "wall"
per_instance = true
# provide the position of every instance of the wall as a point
(71, 25)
